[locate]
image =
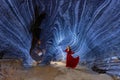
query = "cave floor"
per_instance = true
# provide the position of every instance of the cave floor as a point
(12, 70)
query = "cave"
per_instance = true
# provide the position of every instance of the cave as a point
(90, 27)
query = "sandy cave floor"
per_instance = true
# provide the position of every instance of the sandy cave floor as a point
(12, 70)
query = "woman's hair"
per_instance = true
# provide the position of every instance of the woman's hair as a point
(69, 47)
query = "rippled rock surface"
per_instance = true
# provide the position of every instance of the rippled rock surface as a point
(90, 27)
(109, 66)
(16, 18)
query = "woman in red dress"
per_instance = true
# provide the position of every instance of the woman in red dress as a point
(71, 62)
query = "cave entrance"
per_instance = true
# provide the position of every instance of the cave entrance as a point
(35, 50)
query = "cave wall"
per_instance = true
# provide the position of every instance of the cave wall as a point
(90, 27)
(16, 20)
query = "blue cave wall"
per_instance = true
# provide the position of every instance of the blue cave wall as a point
(16, 17)
(90, 27)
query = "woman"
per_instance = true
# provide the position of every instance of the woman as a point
(71, 62)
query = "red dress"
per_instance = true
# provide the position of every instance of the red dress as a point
(71, 61)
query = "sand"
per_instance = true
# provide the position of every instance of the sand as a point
(12, 70)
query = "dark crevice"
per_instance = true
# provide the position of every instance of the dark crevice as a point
(1, 55)
(98, 70)
(35, 28)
